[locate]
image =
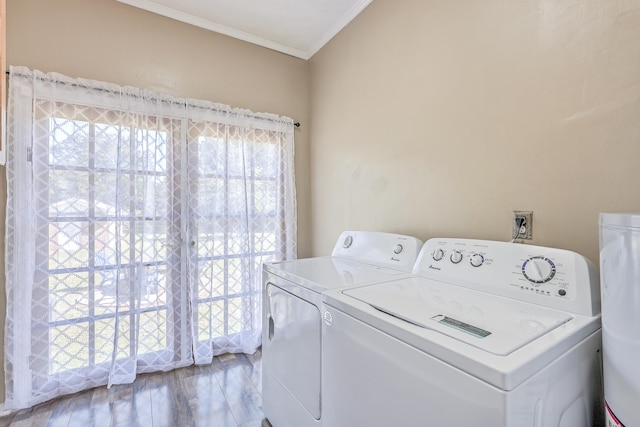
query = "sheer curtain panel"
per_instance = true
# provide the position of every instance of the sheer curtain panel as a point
(137, 224)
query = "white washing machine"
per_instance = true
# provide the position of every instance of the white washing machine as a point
(484, 334)
(292, 319)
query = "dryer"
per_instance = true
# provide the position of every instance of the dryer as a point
(292, 319)
(484, 334)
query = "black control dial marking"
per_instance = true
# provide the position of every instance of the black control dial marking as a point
(538, 269)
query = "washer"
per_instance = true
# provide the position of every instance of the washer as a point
(291, 340)
(484, 334)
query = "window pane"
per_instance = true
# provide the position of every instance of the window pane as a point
(105, 330)
(124, 338)
(108, 139)
(68, 296)
(112, 290)
(211, 156)
(151, 241)
(104, 237)
(265, 197)
(68, 193)
(68, 347)
(236, 321)
(153, 331)
(151, 150)
(236, 276)
(68, 244)
(211, 196)
(235, 165)
(154, 286)
(237, 199)
(211, 277)
(264, 241)
(107, 187)
(151, 196)
(69, 142)
(211, 320)
(237, 244)
(266, 160)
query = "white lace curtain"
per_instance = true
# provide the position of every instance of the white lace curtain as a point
(136, 228)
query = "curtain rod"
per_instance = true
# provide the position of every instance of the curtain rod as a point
(296, 124)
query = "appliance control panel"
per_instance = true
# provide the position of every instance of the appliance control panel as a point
(546, 276)
(377, 248)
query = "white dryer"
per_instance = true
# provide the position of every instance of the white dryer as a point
(484, 334)
(292, 319)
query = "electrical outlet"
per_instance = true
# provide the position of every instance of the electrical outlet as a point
(526, 229)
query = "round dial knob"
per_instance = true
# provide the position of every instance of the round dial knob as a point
(456, 257)
(476, 260)
(438, 254)
(538, 269)
(347, 241)
(398, 249)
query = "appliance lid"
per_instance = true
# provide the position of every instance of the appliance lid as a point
(494, 324)
(322, 273)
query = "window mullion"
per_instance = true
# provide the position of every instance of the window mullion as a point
(131, 265)
(227, 226)
(92, 246)
(180, 218)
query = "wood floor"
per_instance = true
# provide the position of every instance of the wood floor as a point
(223, 394)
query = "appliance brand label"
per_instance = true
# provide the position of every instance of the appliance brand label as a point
(328, 318)
(395, 259)
(434, 268)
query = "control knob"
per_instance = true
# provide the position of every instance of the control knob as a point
(347, 241)
(438, 254)
(538, 269)
(476, 260)
(398, 249)
(456, 257)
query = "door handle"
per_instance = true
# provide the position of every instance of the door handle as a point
(271, 328)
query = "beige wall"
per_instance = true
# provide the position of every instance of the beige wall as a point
(439, 118)
(109, 41)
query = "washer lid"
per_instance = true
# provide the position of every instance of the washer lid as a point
(322, 273)
(623, 220)
(495, 324)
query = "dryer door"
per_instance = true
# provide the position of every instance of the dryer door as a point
(291, 349)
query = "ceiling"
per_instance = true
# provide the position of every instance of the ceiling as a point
(296, 27)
